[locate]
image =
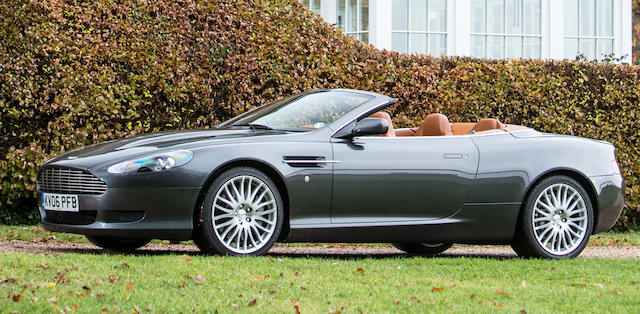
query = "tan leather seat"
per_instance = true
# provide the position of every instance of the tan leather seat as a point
(488, 124)
(435, 124)
(386, 116)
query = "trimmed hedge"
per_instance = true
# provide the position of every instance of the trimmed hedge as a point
(75, 73)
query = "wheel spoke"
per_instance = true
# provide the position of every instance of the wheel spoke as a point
(229, 211)
(265, 212)
(265, 204)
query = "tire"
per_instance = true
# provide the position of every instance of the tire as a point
(423, 249)
(246, 208)
(556, 220)
(118, 244)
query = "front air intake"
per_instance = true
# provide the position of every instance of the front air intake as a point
(70, 181)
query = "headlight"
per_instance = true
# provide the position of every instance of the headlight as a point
(157, 162)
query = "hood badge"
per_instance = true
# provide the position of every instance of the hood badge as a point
(72, 157)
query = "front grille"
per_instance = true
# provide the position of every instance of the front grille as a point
(70, 181)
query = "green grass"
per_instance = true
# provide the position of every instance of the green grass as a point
(37, 234)
(172, 283)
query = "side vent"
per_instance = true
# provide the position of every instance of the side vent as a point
(307, 161)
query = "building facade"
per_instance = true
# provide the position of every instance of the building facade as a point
(545, 29)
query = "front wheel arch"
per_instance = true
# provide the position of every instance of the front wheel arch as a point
(576, 175)
(269, 170)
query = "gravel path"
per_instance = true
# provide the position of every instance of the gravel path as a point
(320, 250)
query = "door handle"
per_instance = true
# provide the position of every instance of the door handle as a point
(452, 155)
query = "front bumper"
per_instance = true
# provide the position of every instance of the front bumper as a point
(153, 213)
(610, 200)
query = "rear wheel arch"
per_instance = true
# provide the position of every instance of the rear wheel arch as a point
(267, 169)
(571, 173)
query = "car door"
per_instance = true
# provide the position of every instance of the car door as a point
(400, 179)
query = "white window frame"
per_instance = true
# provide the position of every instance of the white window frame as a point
(428, 32)
(504, 34)
(347, 23)
(311, 6)
(595, 37)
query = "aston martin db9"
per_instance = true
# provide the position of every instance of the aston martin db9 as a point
(329, 166)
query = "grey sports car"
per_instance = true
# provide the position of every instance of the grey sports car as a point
(328, 166)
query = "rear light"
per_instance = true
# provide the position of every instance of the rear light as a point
(615, 167)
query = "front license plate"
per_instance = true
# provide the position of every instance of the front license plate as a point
(60, 202)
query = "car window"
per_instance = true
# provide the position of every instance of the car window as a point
(304, 112)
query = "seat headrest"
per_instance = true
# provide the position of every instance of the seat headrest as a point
(435, 124)
(386, 116)
(488, 124)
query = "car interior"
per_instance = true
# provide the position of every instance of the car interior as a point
(437, 124)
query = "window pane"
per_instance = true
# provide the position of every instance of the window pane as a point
(588, 48)
(364, 15)
(306, 3)
(418, 43)
(477, 16)
(513, 46)
(570, 48)
(495, 16)
(316, 6)
(477, 46)
(532, 47)
(353, 15)
(587, 17)
(399, 42)
(437, 44)
(605, 18)
(399, 15)
(513, 14)
(571, 18)
(364, 37)
(418, 11)
(605, 47)
(437, 15)
(531, 15)
(495, 47)
(341, 14)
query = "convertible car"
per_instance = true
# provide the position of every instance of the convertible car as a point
(329, 166)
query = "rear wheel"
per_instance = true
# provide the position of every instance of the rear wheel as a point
(118, 244)
(242, 214)
(556, 220)
(426, 249)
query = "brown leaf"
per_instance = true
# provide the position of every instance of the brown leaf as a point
(437, 289)
(616, 291)
(125, 265)
(296, 273)
(334, 311)
(136, 309)
(197, 278)
(503, 292)
(272, 292)
(86, 289)
(17, 297)
(9, 280)
(129, 286)
(523, 311)
(258, 278)
(74, 307)
(43, 266)
(297, 308)
(360, 270)
(303, 288)
(252, 302)
(473, 295)
(182, 285)
(114, 278)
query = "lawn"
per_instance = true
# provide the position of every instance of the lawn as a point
(172, 283)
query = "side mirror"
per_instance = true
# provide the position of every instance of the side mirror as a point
(370, 126)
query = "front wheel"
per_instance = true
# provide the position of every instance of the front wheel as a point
(118, 244)
(426, 249)
(242, 214)
(556, 220)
